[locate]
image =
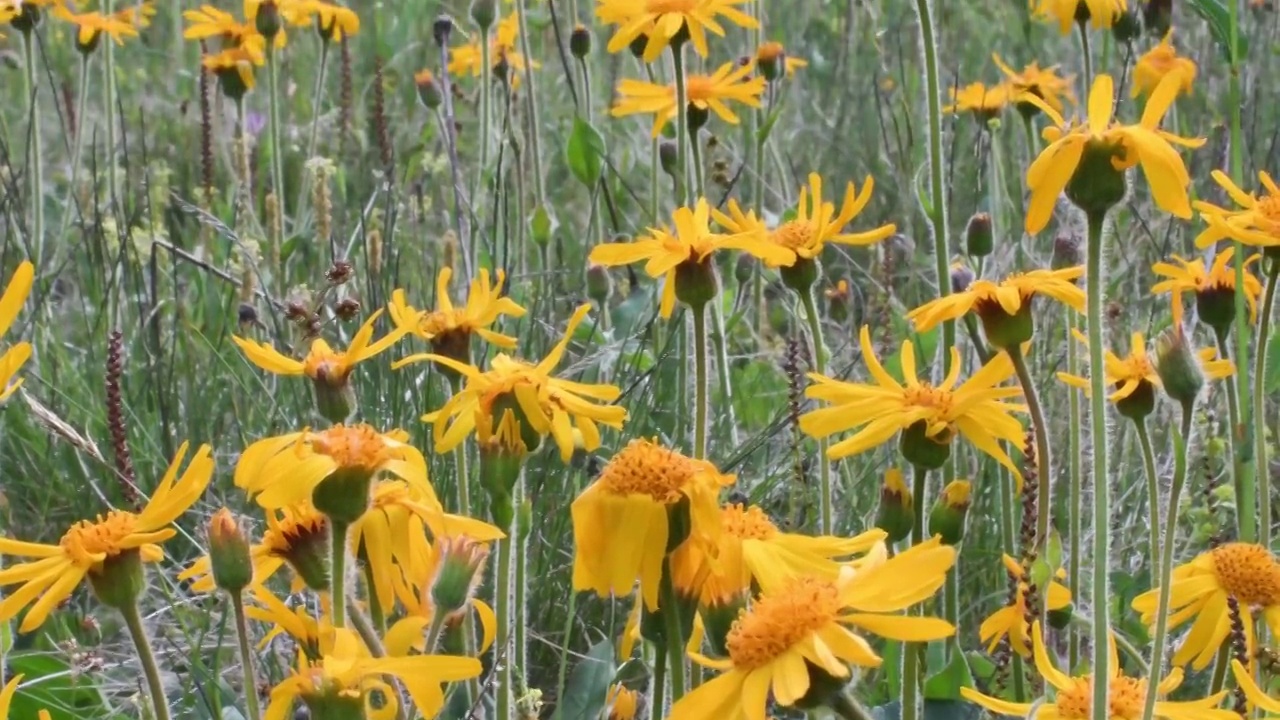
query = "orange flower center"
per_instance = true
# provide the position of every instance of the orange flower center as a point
(1268, 210)
(793, 234)
(1127, 694)
(355, 446)
(326, 366)
(928, 396)
(646, 468)
(748, 523)
(1249, 573)
(86, 541)
(770, 52)
(778, 621)
(699, 88)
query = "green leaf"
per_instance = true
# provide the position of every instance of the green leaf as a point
(633, 675)
(585, 152)
(933, 710)
(946, 683)
(65, 695)
(588, 686)
(981, 666)
(1216, 14)
(541, 225)
(767, 126)
(1271, 376)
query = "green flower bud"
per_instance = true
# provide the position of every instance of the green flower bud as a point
(669, 157)
(484, 13)
(459, 571)
(599, 284)
(580, 41)
(229, 555)
(897, 512)
(268, 22)
(1179, 367)
(949, 512)
(428, 89)
(979, 238)
(503, 448)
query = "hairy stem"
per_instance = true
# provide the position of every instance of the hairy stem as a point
(1101, 479)
(912, 709)
(1241, 469)
(277, 163)
(147, 659)
(820, 365)
(1153, 499)
(503, 612)
(246, 658)
(699, 316)
(1260, 398)
(672, 630)
(35, 153)
(1075, 475)
(338, 573)
(682, 123)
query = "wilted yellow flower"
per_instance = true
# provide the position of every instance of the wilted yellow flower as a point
(774, 61)
(705, 92)
(504, 53)
(11, 302)
(1256, 223)
(1043, 83)
(92, 26)
(237, 60)
(322, 363)
(1157, 63)
(1134, 376)
(661, 20)
(998, 303)
(333, 22)
(449, 327)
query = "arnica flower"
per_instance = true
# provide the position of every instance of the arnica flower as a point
(1157, 63)
(292, 12)
(1005, 306)
(542, 403)
(683, 257)
(928, 417)
(1088, 160)
(11, 302)
(983, 102)
(421, 606)
(234, 69)
(1200, 592)
(801, 635)
(1012, 620)
(297, 535)
(668, 22)
(311, 633)
(208, 22)
(731, 82)
(107, 550)
(1214, 288)
(774, 61)
(1073, 697)
(1043, 83)
(1254, 694)
(504, 53)
(1102, 14)
(449, 328)
(93, 25)
(1256, 223)
(333, 22)
(647, 500)
(621, 703)
(343, 679)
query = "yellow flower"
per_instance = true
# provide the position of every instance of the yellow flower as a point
(1214, 288)
(504, 53)
(663, 20)
(408, 633)
(984, 102)
(333, 22)
(621, 703)
(1157, 63)
(542, 403)
(815, 223)
(11, 302)
(1006, 298)
(292, 12)
(208, 22)
(774, 60)
(93, 25)
(1073, 699)
(322, 364)
(750, 548)
(347, 673)
(238, 60)
(705, 92)
(621, 522)
(807, 624)
(1200, 591)
(1135, 374)
(138, 14)
(977, 408)
(311, 634)
(1256, 223)
(297, 535)
(1011, 620)
(689, 248)
(1254, 694)
(1071, 147)
(89, 546)
(1043, 83)
(1102, 14)
(452, 327)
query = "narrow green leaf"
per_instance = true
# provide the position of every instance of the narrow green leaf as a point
(588, 686)
(1271, 376)
(585, 152)
(1218, 17)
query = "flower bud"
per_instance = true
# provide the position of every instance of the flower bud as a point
(27, 19)
(441, 29)
(503, 448)
(484, 13)
(744, 268)
(839, 301)
(961, 277)
(118, 581)
(978, 235)
(580, 41)
(896, 513)
(1066, 252)
(1126, 28)
(949, 512)
(1216, 307)
(459, 571)
(1178, 367)
(669, 157)
(771, 59)
(229, 555)
(697, 283)
(599, 284)
(267, 22)
(428, 89)
(922, 451)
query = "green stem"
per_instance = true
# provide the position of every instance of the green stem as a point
(1161, 634)
(1044, 468)
(1101, 479)
(277, 163)
(246, 658)
(1076, 491)
(699, 176)
(1241, 469)
(503, 612)
(1250, 465)
(1029, 131)
(486, 90)
(1153, 500)
(82, 101)
(1008, 506)
(531, 105)
(655, 167)
(847, 708)
(1087, 59)
(682, 123)
(338, 573)
(109, 101)
(1220, 668)
(673, 635)
(147, 659)
(911, 705)
(657, 697)
(377, 616)
(36, 154)
(699, 315)
(820, 365)
(520, 622)
(724, 372)
(434, 631)
(1260, 365)
(1018, 669)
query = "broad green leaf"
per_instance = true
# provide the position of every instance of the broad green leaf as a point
(946, 683)
(49, 684)
(588, 686)
(633, 675)
(585, 152)
(1216, 14)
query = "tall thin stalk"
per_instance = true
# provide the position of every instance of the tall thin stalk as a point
(1260, 357)
(912, 707)
(147, 659)
(313, 135)
(82, 102)
(672, 631)
(682, 123)
(109, 105)
(1101, 479)
(246, 658)
(531, 106)
(698, 314)
(820, 365)
(1044, 468)
(502, 602)
(1245, 497)
(1075, 493)
(35, 155)
(338, 572)
(1153, 499)
(277, 160)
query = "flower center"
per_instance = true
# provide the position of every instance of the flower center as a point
(748, 523)
(699, 88)
(793, 234)
(778, 621)
(325, 365)
(355, 446)
(1127, 694)
(928, 396)
(646, 468)
(1137, 367)
(438, 322)
(85, 541)
(1268, 210)
(1249, 573)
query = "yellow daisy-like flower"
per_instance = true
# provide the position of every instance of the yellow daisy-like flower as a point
(984, 102)
(928, 416)
(98, 548)
(622, 521)
(504, 53)
(238, 61)
(333, 22)
(1102, 14)
(688, 249)
(208, 22)
(661, 21)
(346, 675)
(1043, 83)
(1157, 63)
(449, 328)
(704, 92)
(1254, 694)
(1134, 376)
(11, 302)
(815, 224)
(621, 703)
(297, 535)
(751, 549)
(1073, 695)
(1200, 590)
(93, 25)
(310, 633)
(323, 364)
(1000, 305)
(1215, 288)
(1011, 620)
(1073, 160)
(809, 623)
(774, 61)
(1256, 223)
(540, 403)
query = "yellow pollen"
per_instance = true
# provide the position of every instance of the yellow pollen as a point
(294, 532)
(793, 234)
(438, 322)
(778, 621)
(748, 523)
(646, 468)
(354, 446)
(1127, 695)
(1268, 211)
(926, 395)
(1249, 573)
(87, 539)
